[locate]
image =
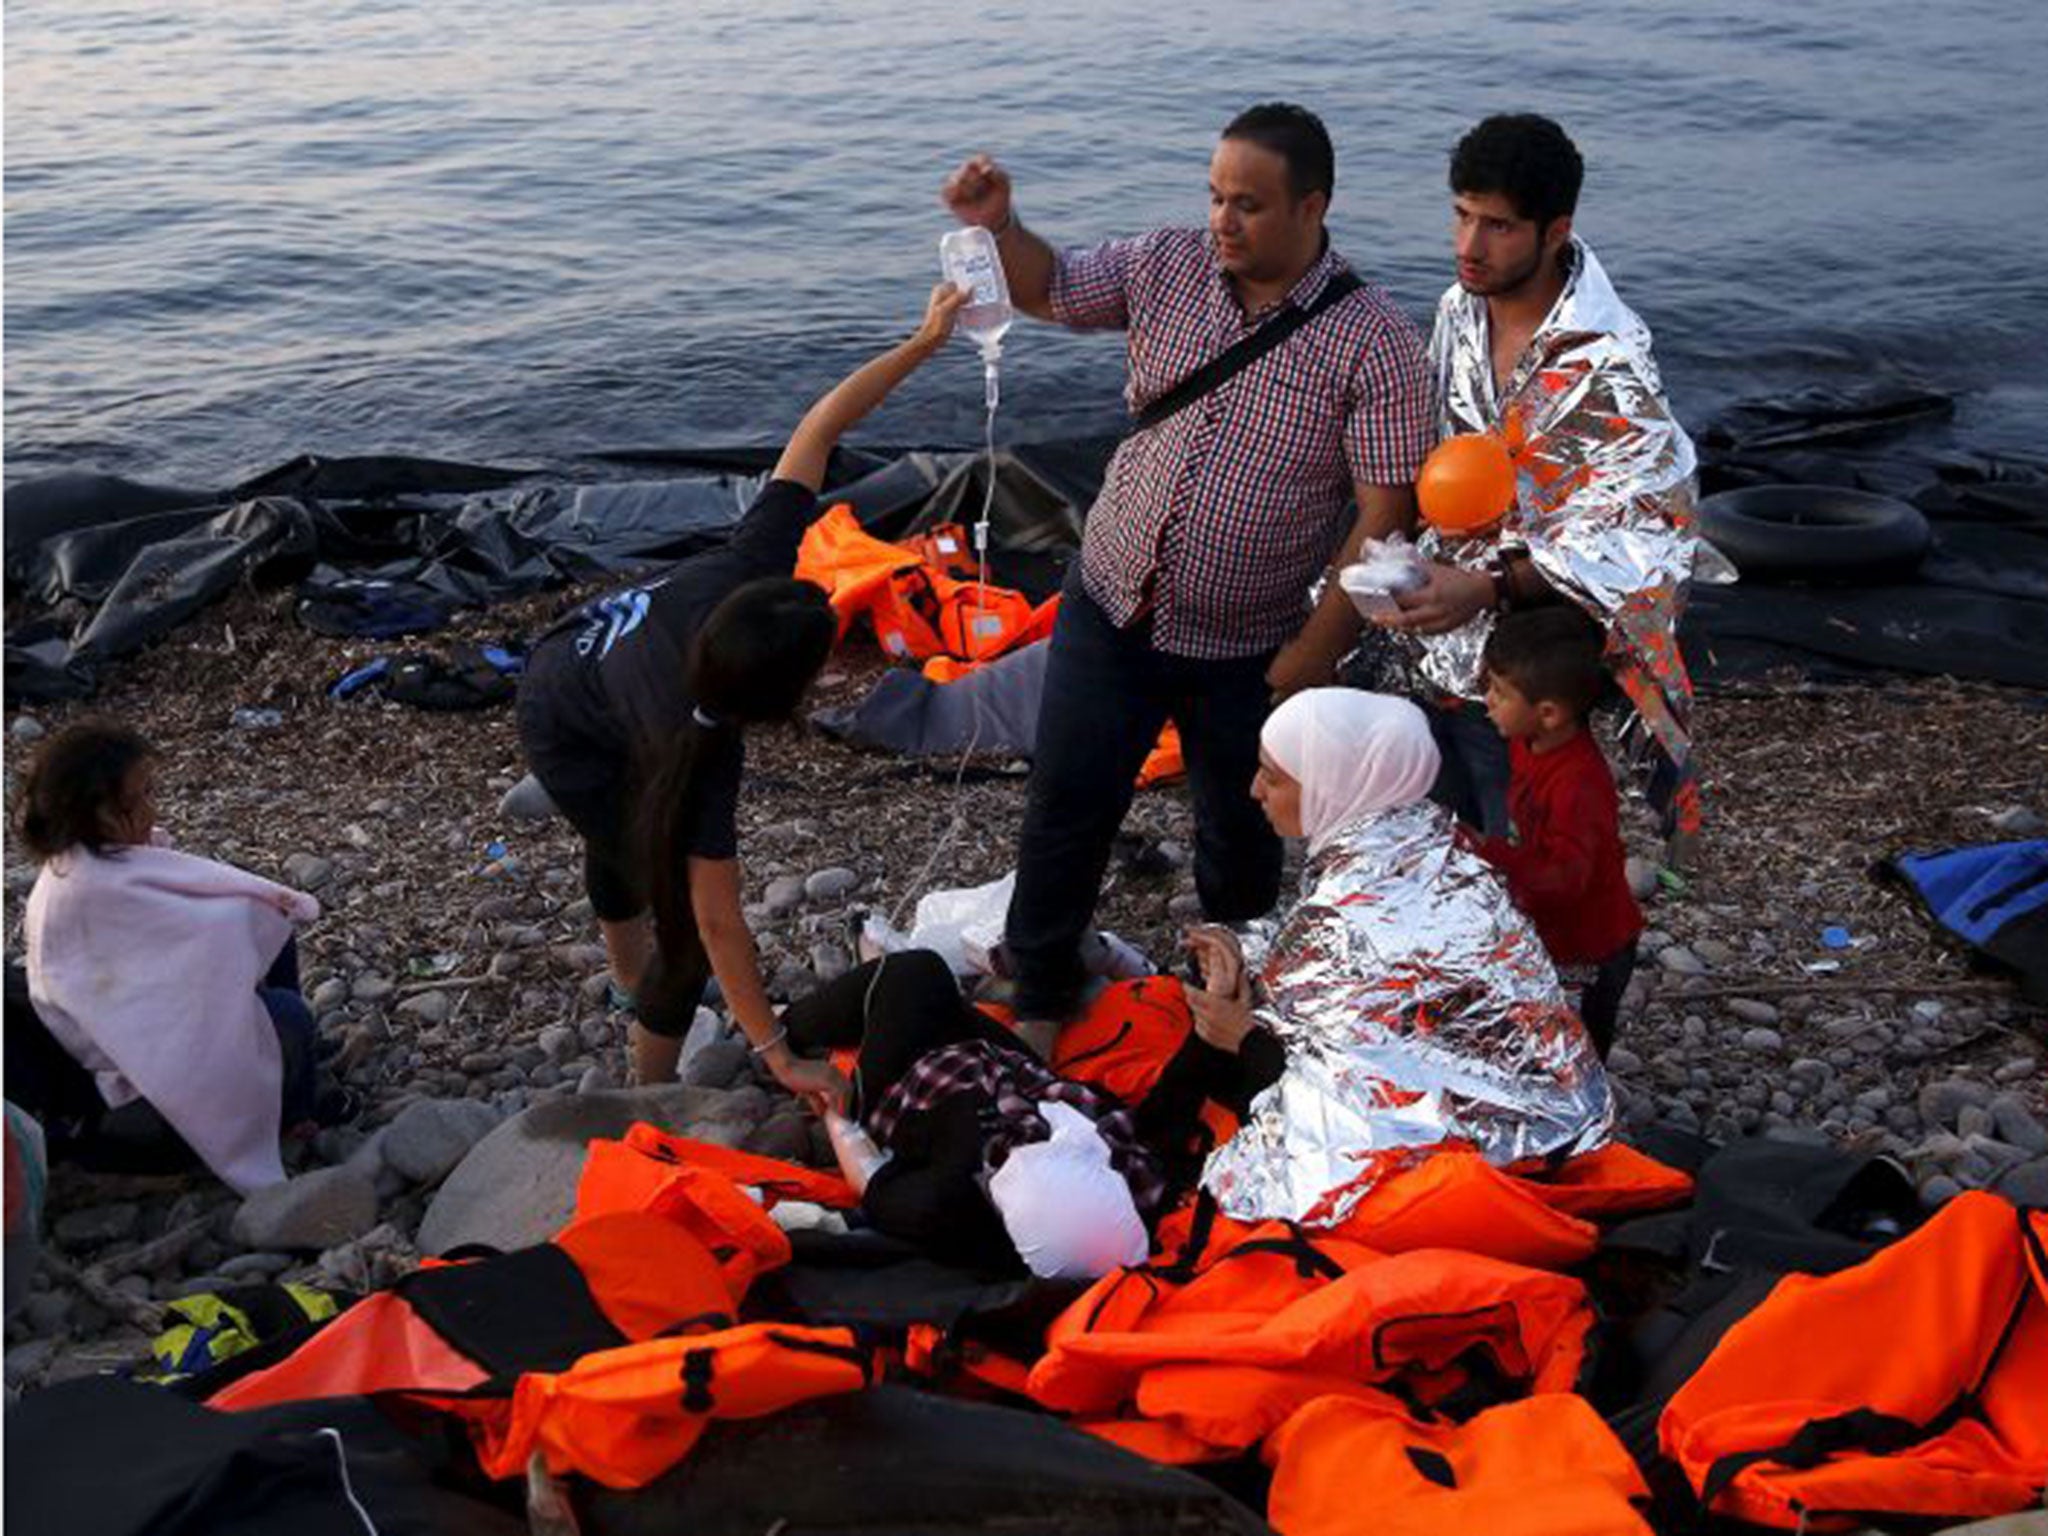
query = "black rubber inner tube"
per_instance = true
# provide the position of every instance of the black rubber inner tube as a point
(1819, 533)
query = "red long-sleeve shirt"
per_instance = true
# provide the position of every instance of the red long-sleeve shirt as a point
(1566, 868)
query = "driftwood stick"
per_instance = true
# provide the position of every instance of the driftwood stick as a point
(447, 984)
(158, 1250)
(145, 1315)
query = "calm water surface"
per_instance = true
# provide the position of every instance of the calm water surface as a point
(517, 232)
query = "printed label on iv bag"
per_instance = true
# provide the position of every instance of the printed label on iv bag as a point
(974, 267)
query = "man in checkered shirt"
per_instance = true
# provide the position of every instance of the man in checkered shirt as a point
(1190, 599)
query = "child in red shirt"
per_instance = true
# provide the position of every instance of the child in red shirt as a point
(1565, 866)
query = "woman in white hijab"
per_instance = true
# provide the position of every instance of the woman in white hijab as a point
(1417, 1007)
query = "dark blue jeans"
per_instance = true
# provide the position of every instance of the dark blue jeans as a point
(1473, 781)
(297, 1035)
(1107, 693)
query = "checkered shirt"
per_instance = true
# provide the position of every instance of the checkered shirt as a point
(1014, 1082)
(1217, 520)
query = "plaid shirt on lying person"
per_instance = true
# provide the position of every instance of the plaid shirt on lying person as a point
(1014, 1083)
(1217, 520)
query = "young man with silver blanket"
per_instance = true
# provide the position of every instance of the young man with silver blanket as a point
(1533, 343)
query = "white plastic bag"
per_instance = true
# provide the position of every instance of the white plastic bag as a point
(1385, 567)
(962, 926)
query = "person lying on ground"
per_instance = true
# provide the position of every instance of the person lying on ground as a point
(1416, 1007)
(1189, 600)
(961, 1141)
(633, 714)
(171, 978)
(1565, 865)
(1532, 342)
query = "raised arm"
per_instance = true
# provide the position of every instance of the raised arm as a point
(810, 446)
(979, 193)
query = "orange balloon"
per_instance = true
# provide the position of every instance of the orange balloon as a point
(1466, 483)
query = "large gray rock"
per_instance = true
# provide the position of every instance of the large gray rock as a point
(428, 1008)
(307, 871)
(785, 1134)
(313, 1211)
(518, 1185)
(1676, 957)
(721, 1064)
(1942, 1102)
(2016, 1125)
(2026, 1183)
(430, 1136)
(528, 800)
(830, 884)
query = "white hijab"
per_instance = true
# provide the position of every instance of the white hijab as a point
(1353, 753)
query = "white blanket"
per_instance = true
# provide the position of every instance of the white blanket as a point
(144, 964)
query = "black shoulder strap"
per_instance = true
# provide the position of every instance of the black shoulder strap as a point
(1245, 351)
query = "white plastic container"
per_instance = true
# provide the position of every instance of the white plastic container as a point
(970, 260)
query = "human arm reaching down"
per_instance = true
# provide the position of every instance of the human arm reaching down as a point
(722, 926)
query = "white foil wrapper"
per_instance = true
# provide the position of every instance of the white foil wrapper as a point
(1419, 1011)
(1604, 476)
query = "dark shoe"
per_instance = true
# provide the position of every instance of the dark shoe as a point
(336, 1106)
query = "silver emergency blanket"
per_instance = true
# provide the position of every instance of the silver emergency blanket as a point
(1419, 1011)
(1604, 474)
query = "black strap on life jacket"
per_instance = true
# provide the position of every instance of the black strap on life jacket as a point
(1309, 1260)
(1242, 353)
(1860, 1429)
(699, 1366)
(1201, 1230)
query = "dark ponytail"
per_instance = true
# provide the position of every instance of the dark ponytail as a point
(75, 780)
(751, 663)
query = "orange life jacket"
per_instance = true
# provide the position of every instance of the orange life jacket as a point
(950, 669)
(850, 563)
(621, 1183)
(1614, 1180)
(693, 1185)
(918, 613)
(1165, 761)
(916, 610)
(930, 1350)
(946, 548)
(1130, 1031)
(1201, 1349)
(1544, 1466)
(625, 1416)
(1915, 1383)
(457, 1328)
(1450, 1199)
